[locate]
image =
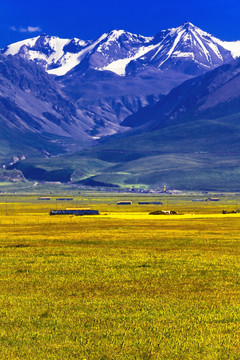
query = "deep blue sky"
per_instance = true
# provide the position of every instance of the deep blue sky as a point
(90, 18)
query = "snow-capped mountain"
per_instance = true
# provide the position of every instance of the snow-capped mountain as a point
(49, 51)
(59, 56)
(115, 75)
(185, 49)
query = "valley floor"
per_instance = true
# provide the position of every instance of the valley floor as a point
(121, 285)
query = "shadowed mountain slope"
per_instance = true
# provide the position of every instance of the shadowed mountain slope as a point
(35, 115)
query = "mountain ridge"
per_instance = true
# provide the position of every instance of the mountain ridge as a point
(123, 53)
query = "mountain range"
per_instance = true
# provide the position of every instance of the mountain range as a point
(169, 102)
(185, 49)
(117, 74)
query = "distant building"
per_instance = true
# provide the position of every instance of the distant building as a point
(77, 212)
(124, 203)
(150, 203)
(64, 199)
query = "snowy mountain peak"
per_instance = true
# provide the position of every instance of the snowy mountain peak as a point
(188, 25)
(123, 40)
(189, 49)
(115, 34)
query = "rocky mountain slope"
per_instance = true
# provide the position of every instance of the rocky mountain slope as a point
(36, 117)
(215, 94)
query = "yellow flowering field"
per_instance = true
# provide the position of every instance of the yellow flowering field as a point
(120, 285)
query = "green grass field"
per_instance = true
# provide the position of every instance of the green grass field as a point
(121, 285)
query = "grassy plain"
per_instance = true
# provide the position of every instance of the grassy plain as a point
(122, 285)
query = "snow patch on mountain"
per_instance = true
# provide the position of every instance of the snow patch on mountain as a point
(232, 46)
(180, 54)
(69, 61)
(119, 66)
(14, 48)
